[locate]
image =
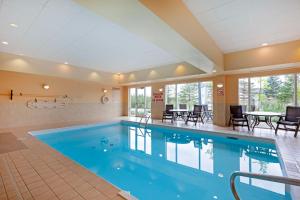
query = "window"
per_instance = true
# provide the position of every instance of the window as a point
(139, 101)
(190, 94)
(268, 93)
(297, 89)
(244, 91)
(132, 100)
(171, 94)
(206, 92)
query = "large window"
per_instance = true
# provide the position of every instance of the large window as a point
(298, 90)
(139, 101)
(189, 94)
(269, 93)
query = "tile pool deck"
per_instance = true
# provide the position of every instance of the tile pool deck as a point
(29, 169)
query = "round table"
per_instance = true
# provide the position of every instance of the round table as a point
(266, 115)
(177, 112)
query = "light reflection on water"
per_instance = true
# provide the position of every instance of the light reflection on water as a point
(167, 164)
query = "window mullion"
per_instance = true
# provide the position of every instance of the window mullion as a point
(199, 93)
(249, 94)
(295, 90)
(176, 100)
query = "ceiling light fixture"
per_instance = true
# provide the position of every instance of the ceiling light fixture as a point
(14, 25)
(5, 43)
(264, 44)
(220, 85)
(66, 63)
(46, 86)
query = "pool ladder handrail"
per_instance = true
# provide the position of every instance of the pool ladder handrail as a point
(273, 178)
(146, 117)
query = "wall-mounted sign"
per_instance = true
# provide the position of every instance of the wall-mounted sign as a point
(157, 97)
(220, 91)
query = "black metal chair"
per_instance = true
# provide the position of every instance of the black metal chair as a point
(195, 115)
(167, 114)
(291, 119)
(237, 118)
(207, 113)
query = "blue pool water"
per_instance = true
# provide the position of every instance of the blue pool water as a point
(164, 163)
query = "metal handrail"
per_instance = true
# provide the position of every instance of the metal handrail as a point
(278, 179)
(146, 117)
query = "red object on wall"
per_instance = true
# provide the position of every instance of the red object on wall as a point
(220, 91)
(157, 97)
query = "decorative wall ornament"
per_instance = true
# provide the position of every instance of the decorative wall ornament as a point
(104, 99)
(157, 97)
(59, 102)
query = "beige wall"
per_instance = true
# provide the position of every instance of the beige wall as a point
(85, 104)
(270, 55)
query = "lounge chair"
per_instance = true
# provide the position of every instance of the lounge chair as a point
(237, 118)
(195, 115)
(207, 113)
(167, 114)
(291, 119)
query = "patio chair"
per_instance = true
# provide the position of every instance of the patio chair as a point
(291, 119)
(195, 115)
(167, 114)
(207, 113)
(237, 118)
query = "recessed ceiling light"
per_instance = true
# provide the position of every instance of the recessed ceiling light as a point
(66, 63)
(14, 25)
(5, 43)
(264, 44)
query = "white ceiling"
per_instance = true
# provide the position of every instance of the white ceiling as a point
(62, 31)
(244, 24)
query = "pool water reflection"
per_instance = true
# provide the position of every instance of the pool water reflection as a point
(161, 163)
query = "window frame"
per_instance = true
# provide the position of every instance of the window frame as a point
(295, 87)
(187, 83)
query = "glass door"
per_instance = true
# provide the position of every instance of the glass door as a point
(132, 102)
(140, 106)
(139, 101)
